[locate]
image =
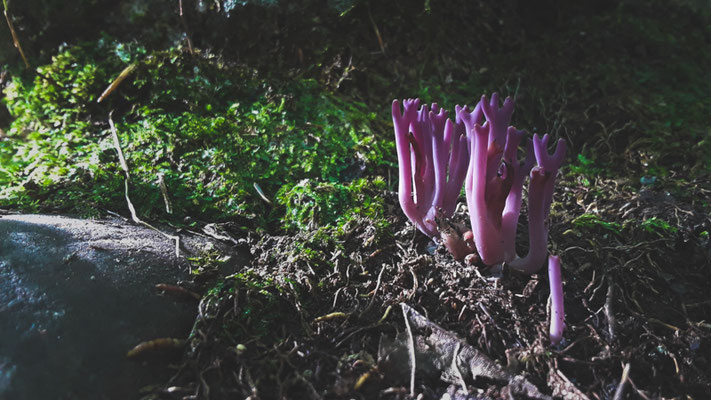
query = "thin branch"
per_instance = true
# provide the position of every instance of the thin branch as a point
(377, 31)
(261, 194)
(116, 82)
(620, 391)
(185, 26)
(375, 291)
(15, 39)
(131, 208)
(164, 192)
(411, 350)
(455, 367)
(609, 312)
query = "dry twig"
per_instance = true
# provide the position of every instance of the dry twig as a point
(15, 39)
(185, 26)
(620, 391)
(411, 350)
(116, 82)
(131, 208)
(609, 313)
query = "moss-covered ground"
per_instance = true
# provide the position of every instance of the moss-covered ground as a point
(272, 121)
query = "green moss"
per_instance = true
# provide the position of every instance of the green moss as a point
(658, 226)
(585, 167)
(260, 315)
(213, 131)
(312, 204)
(592, 222)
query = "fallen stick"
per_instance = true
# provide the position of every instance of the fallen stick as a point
(131, 208)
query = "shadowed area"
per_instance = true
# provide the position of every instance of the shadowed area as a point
(75, 296)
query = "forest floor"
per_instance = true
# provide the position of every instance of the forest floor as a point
(281, 144)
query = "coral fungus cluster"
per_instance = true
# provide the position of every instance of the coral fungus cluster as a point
(480, 151)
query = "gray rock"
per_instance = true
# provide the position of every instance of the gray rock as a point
(75, 296)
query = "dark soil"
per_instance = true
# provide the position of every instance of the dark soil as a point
(637, 301)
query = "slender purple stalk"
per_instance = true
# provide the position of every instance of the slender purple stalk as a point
(551, 163)
(537, 230)
(487, 233)
(557, 324)
(403, 144)
(458, 163)
(512, 210)
(540, 196)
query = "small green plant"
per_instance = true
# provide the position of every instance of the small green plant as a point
(585, 167)
(259, 316)
(658, 227)
(592, 221)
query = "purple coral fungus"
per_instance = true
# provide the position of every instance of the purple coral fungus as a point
(433, 156)
(480, 149)
(494, 185)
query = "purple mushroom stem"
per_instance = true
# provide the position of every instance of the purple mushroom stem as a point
(550, 163)
(537, 230)
(469, 117)
(457, 167)
(512, 210)
(421, 130)
(487, 235)
(557, 324)
(440, 151)
(401, 122)
(540, 196)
